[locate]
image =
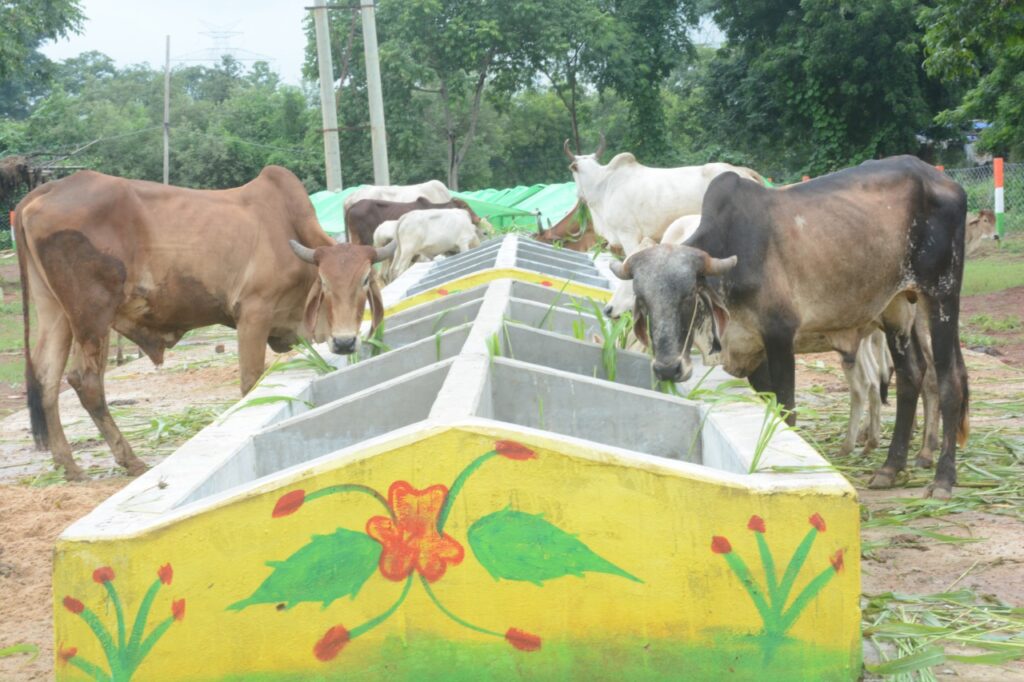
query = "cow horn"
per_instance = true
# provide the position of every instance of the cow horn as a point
(719, 266)
(600, 148)
(565, 148)
(540, 223)
(620, 269)
(303, 252)
(385, 252)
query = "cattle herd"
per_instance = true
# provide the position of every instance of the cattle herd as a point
(867, 261)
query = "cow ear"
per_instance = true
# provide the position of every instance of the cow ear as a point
(640, 327)
(376, 304)
(719, 315)
(317, 331)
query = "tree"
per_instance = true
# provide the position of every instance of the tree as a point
(648, 39)
(980, 45)
(29, 23)
(816, 85)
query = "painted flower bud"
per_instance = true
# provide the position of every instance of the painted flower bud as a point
(817, 522)
(756, 523)
(514, 450)
(289, 503)
(103, 575)
(73, 605)
(521, 640)
(331, 644)
(720, 545)
(178, 609)
(166, 574)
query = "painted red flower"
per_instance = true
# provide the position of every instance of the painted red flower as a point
(545, 283)
(66, 655)
(166, 574)
(411, 540)
(178, 609)
(289, 503)
(522, 640)
(442, 292)
(756, 523)
(514, 450)
(817, 522)
(720, 545)
(331, 644)
(837, 560)
(73, 605)
(103, 575)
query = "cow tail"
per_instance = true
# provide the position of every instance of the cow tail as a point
(965, 413)
(33, 389)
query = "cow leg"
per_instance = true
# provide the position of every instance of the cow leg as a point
(761, 379)
(930, 434)
(855, 371)
(908, 360)
(49, 357)
(782, 366)
(253, 332)
(86, 377)
(951, 373)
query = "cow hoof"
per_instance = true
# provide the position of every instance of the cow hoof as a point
(869, 447)
(136, 467)
(938, 491)
(883, 479)
(845, 449)
(924, 462)
(74, 473)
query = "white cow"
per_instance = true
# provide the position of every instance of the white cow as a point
(981, 226)
(433, 190)
(629, 202)
(430, 233)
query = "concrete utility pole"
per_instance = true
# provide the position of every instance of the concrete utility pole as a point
(167, 113)
(332, 155)
(378, 135)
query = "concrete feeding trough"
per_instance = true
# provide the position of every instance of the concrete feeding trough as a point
(479, 501)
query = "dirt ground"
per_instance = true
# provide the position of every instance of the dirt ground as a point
(153, 408)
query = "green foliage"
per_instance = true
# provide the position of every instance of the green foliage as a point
(817, 86)
(978, 43)
(26, 25)
(514, 545)
(329, 567)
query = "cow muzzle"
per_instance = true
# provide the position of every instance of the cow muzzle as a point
(344, 345)
(675, 370)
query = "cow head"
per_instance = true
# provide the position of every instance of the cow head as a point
(670, 283)
(337, 299)
(583, 163)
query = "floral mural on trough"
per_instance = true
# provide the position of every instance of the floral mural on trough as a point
(771, 600)
(126, 651)
(408, 543)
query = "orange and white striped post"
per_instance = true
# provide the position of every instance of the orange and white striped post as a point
(997, 171)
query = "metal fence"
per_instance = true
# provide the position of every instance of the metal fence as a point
(980, 186)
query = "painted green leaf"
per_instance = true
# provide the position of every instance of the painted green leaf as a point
(515, 545)
(329, 567)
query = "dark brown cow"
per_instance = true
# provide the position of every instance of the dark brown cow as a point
(829, 260)
(364, 216)
(569, 232)
(153, 261)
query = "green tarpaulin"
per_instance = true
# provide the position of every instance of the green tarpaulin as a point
(514, 208)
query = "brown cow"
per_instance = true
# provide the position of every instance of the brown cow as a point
(569, 233)
(364, 216)
(981, 226)
(152, 261)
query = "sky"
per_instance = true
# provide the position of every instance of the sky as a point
(133, 33)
